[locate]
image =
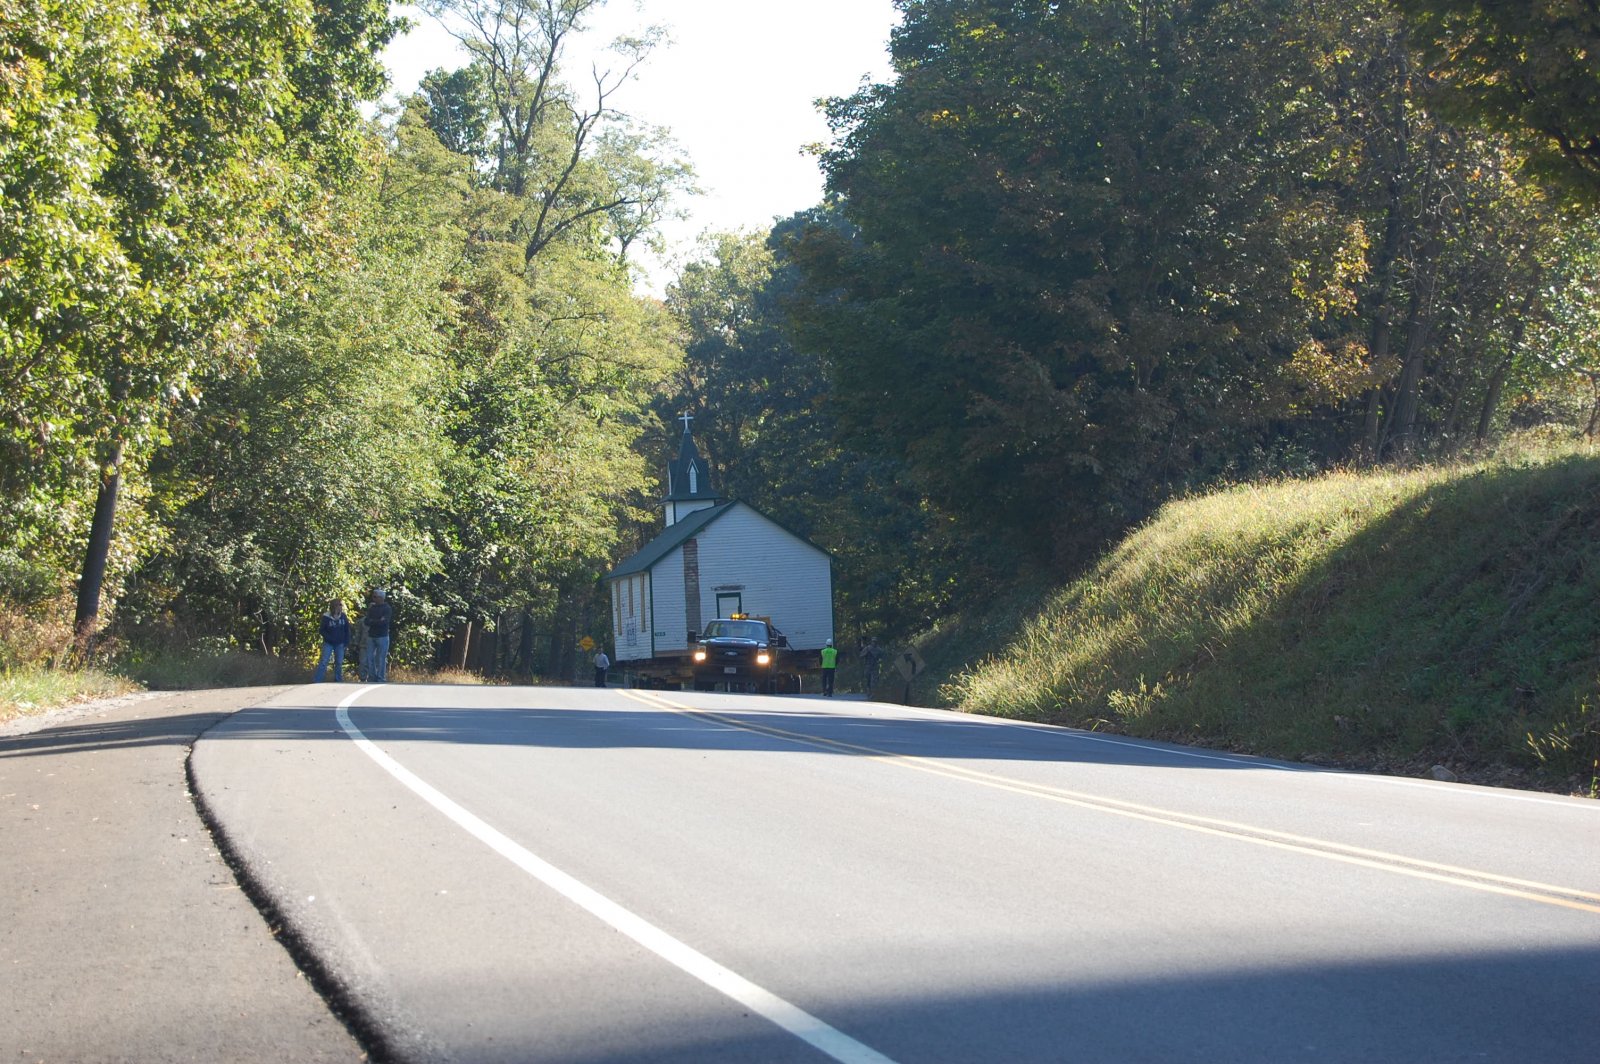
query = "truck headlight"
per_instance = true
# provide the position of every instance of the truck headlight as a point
(763, 658)
(699, 655)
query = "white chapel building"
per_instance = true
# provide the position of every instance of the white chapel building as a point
(716, 558)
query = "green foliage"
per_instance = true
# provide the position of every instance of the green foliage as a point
(576, 166)
(170, 166)
(1529, 68)
(434, 419)
(60, 262)
(458, 109)
(307, 478)
(1084, 250)
(764, 419)
(1439, 612)
(1084, 256)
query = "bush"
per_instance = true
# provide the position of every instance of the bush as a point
(34, 637)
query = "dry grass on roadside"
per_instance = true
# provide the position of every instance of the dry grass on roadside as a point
(29, 691)
(177, 668)
(34, 647)
(459, 677)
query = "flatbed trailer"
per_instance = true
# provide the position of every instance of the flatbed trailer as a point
(728, 656)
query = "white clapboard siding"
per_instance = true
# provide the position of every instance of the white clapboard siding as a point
(775, 573)
(630, 617)
(666, 580)
(778, 575)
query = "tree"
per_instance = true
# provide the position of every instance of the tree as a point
(1530, 69)
(208, 134)
(311, 474)
(60, 266)
(763, 409)
(754, 397)
(1085, 249)
(431, 417)
(569, 158)
(458, 109)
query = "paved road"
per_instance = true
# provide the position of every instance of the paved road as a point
(507, 874)
(123, 935)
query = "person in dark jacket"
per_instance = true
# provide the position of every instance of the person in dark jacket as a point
(378, 621)
(335, 639)
(871, 659)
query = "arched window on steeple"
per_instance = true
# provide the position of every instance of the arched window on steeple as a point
(694, 478)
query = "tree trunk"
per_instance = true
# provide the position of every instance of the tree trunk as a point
(1378, 299)
(1491, 398)
(1497, 380)
(86, 624)
(1373, 421)
(1452, 421)
(524, 663)
(1401, 431)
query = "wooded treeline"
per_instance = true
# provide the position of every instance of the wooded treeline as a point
(304, 352)
(1074, 258)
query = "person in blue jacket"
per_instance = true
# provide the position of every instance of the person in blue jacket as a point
(335, 639)
(379, 622)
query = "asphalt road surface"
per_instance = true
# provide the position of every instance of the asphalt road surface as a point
(576, 875)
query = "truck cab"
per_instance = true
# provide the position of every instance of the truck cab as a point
(742, 652)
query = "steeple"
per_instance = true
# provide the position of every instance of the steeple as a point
(688, 479)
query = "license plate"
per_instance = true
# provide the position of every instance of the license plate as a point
(730, 668)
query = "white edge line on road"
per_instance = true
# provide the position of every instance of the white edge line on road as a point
(814, 1032)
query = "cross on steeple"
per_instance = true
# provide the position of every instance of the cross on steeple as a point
(688, 478)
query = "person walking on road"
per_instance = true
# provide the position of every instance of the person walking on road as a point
(335, 641)
(830, 662)
(378, 622)
(601, 664)
(871, 658)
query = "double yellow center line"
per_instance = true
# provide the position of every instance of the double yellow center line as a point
(1487, 882)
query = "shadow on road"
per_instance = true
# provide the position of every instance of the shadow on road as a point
(1506, 1007)
(175, 729)
(726, 723)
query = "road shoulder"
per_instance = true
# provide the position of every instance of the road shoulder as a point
(128, 937)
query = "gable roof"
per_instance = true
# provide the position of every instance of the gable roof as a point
(673, 537)
(676, 535)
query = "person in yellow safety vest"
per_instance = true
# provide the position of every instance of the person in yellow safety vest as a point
(830, 661)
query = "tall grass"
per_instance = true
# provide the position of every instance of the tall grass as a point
(1442, 611)
(36, 673)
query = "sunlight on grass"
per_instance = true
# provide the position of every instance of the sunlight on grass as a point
(33, 690)
(1439, 609)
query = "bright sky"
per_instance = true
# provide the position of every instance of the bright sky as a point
(737, 87)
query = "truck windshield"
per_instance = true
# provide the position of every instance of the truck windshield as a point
(754, 631)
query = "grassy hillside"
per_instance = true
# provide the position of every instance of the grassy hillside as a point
(1437, 615)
